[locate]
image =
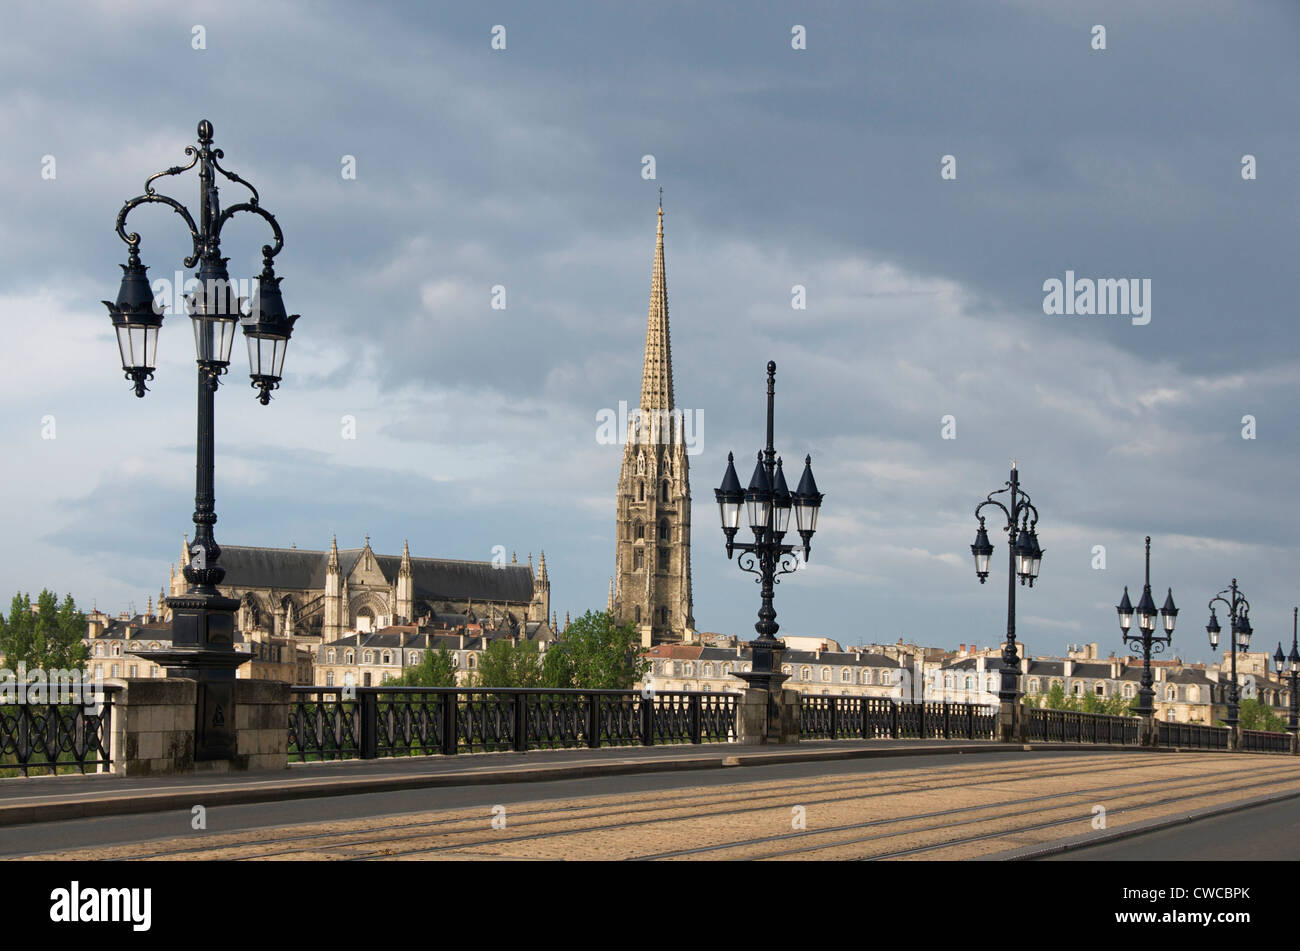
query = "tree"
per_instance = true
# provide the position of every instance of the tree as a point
(595, 654)
(504, 664)
(49, 638)
(434, 670)
(1254, 715)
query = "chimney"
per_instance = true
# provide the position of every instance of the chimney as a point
(1069, 668)
(462, 639)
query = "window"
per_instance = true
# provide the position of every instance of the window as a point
(1194, 695)
(947, 681)
(726, 670)
(805, 673)
(117, 650)
(367, 680)
(689, 669)
(659, 667)
(1033, 685)
(1128, 691)
(1101, 690)
(388, 658)
(638, 560)
(663, 615)
(472, 660)
(455, 659)
(1171, 693)
(640, 496)
(349, 658)
(329, 678)
(134, 670)
(970, 683)
(884, 678)
(99, 650)
(747, 668)
(846, 676)
(638, 609)
(1077, 690)
(708, 670)
(663, 530)
(785, 669)
(370, 657)
(826, 675)
(663, 493)
(116, 668)
(866, 676)
(640, 530)
(664, 559)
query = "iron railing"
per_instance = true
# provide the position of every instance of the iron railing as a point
(56, 737)
(875, 718)
(1070, 726)
(1261, 741)
(1192, 736)
(368, 722)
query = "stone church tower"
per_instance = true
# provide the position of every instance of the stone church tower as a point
(652, 586)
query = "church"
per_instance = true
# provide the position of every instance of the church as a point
(652, 560)
(325, 595)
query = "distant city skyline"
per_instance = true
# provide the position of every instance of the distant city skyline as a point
(473, 297)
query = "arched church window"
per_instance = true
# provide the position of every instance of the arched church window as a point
(663, 493)
(663, 530)
(638, 609)
(640, 529)
(641, 493)
(663, 615)
(638, 560)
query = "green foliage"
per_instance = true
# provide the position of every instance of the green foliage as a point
(595, 654)
(504, 664)
(434, 670)
(1254, 715)
(1057, 699)
(50, 639)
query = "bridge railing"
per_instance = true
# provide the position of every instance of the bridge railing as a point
(1193, 736)
(1070, 726)
(1262, 741)
(874, 718)
(367, 722)
(50, 738)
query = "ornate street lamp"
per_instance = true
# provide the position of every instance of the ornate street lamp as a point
(768, 504)
(1026, 557)
(1239, 612)
(1291, 665)
(202, 620)
(1145, 638)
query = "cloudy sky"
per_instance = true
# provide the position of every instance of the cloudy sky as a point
(523, 167)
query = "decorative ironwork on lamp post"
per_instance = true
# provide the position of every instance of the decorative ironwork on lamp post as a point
(1145, 639)
(768, 503)
(1025, 555)
(1240, 631)
(203, 620)
(1292, 666)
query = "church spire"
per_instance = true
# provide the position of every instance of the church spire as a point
(657, 373)
(541, 568)
(334, 553)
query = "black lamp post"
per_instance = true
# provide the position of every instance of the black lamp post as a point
(203, 622)
(767, 503)
(1239, 613)
(1145, 638)
(1025, 556)
(1292, 667)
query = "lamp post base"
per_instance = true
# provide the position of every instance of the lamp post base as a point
(203, 650)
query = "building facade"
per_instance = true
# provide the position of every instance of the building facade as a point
(319, 596)
(652, 559)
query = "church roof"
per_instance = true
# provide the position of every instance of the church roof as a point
(432, 578)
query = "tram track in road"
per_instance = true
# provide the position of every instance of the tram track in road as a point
(1201, 783)
(1086, 796)
(885, 783)
(645, 820)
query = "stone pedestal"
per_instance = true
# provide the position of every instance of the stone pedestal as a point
(155, 723)
(1011, 722)
(765, 718)
(1148, 732)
